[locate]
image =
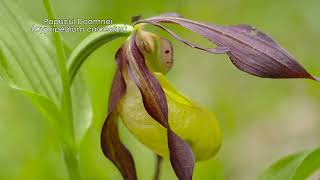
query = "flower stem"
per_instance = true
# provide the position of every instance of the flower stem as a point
(71, 160)
(158, 168)
(67, 138)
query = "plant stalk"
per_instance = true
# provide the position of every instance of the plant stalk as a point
(157, 171)
(72, 162)
(68, 138)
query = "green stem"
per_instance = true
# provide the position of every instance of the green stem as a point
(68, 145)
(67, 74)
(93, 42)
(72, 161)
(157, 171)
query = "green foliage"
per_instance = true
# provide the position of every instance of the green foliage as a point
(18, 45)
(241, 103)
(309, 165)
(295, 167)
(93, 42)
(67, 108)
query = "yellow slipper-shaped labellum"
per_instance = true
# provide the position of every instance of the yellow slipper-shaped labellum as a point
(193, 123)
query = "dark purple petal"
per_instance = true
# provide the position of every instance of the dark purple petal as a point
(153, 96)
(218, 50)
(117, 91)
(250, 50)
(114, 150)
(111, 144)
(181, 156)
(155, 103)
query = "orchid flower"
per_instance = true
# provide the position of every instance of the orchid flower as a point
(161, 117)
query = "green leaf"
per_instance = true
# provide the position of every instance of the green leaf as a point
(48, 109)
(92, 43)
(310, 164)
(27, 59)
(284, 168)
(82, 107)
(28, 64)
(298, 166)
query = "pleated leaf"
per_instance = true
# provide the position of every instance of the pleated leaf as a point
(28, 64)
(27, 58)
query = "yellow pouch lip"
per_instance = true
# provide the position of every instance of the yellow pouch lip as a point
(170, 90)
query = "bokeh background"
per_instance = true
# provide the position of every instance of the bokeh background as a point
(261, 119)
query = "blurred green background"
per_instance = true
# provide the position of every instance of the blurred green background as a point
(261, 119)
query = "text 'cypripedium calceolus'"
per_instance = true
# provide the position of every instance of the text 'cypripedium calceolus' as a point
(162, 118)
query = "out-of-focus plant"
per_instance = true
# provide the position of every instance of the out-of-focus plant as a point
(159, 116)
(35, 65)
(296, 166)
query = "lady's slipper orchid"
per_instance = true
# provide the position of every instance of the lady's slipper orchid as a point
(159, 116)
